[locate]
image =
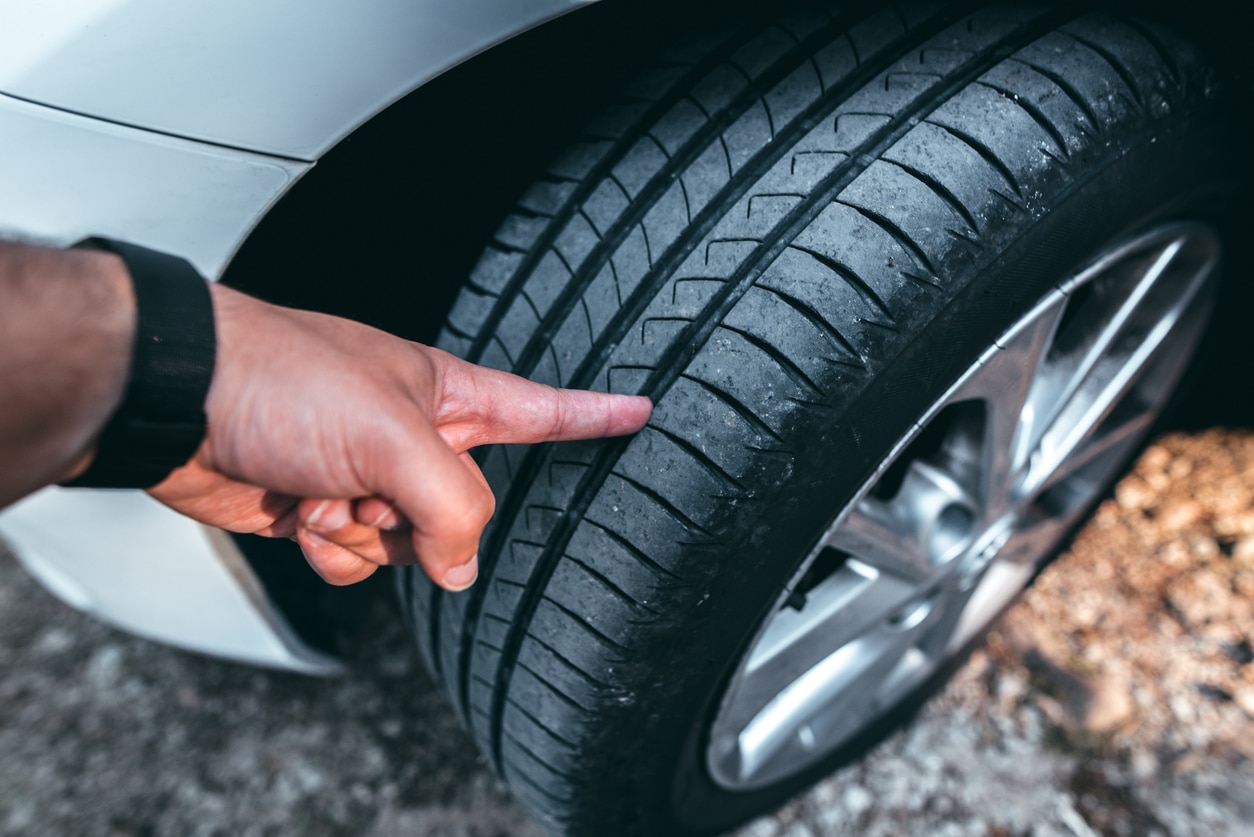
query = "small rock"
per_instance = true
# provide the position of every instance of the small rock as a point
(1109, 704)
(1244, 698)
(857, 799)
(1179, 514)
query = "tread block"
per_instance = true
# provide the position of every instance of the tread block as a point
(793, 328)
(571, 343)
(872, 260)
(576, 240)
(747, 135)
(1091, 81)
(639, 165)
(720, 428)
(957, 168)
(923, 217)
(992, 123)
(631, 261)
(548, 280)
(666, 220)
(469, 311)
(705, 177)
(577, 160)
(718, 88)
(750, 375)
(521, 231)
(786, 100)
(494, 269)
(579, 588)
(665, 532)
(583, 688)
(758, 55)
(587, 641)
(605, 206)
(546, 197)
(495, 357)
(677, 125)
(664, 459)
(519, 321)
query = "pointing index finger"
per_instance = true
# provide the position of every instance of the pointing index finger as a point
(486, 406)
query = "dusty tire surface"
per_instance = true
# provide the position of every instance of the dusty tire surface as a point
(793, 236)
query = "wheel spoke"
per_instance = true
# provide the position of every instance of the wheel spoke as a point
(993, 591)
(1097, 388)
(1105, 441)
(1102, 317)
(832, 698)
(1009, 382)
(876, 536)
(837, 613)
(934, 641)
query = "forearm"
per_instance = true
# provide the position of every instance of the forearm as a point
(67, 322)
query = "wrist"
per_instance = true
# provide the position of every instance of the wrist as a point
(159, 421)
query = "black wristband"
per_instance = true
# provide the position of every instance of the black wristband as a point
(161, 420)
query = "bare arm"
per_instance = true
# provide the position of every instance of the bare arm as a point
(67, 320)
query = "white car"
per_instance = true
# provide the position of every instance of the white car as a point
(907, 284)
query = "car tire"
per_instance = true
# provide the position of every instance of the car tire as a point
(854, 258)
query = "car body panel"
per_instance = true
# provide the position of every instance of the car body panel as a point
(67, 177)
(283, 77)
(123, 557)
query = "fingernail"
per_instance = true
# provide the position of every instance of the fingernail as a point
(315, 539)
(328, 516)
(387, 520)
(461, 577)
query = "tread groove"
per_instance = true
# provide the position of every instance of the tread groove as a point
(1076, 97)
(853, 279)
(942, 191)
(576, 670)
(522, 710)
(738, 408)
(587, 626)
(808, 311)
(667, 506)
(700, 456)
(985, 153)
(1115, 64)
(1037, 116)
(790, 368)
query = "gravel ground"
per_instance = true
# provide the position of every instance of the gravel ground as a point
(1116, 698)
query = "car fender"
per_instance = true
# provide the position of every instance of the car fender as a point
(288, 78)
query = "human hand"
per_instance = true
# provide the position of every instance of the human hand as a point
(354, 442)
